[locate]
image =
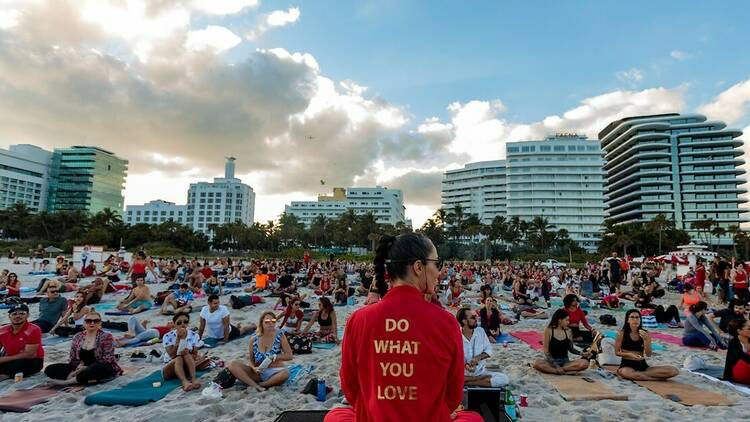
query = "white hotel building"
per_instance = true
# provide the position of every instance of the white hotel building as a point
(386, 205)
(225, 200)
(24, 176)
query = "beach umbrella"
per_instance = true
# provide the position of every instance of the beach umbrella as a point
(51, 249)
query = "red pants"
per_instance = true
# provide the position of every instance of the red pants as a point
(346, 414)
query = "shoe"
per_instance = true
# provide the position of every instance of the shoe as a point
(138, 355)
(155, 353)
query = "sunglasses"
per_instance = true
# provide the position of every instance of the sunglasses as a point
(269, 321)
(53, 291)
(92, 321)
(181, 322)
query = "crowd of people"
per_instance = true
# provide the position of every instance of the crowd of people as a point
(406, 282)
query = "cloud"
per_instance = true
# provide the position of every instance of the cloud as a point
(9, 18)
(275, 19)
(223, 7)
(631, 76)
(419, 187)
(680, 55)
(218, 38)
(730, 105)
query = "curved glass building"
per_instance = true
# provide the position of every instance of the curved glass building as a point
(683, 166)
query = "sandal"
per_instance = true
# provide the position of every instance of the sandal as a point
(138, 355)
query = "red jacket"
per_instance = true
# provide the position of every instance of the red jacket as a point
(402, 360)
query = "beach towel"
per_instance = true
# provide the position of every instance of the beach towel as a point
(668, 338)
(22, 291)
(136, 393)
(233, 284)
(114, 313)
(532, 338)
(714, 373)
(23, 400)
(42, 273)
(213, 342)
(678, 392)
(105, 306)
(324, 346)
(574, 388)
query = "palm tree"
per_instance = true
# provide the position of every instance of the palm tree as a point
(540, 228)
(718, 231)
(659, 223)
(734, 231)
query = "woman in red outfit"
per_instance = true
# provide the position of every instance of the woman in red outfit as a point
(737, 368)
(577, 319)
(402, 358)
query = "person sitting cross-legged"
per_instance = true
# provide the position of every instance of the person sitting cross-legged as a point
(477, 348)
(180, 301)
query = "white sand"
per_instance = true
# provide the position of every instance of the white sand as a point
(544, 401)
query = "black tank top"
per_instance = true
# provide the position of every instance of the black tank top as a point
(87, 356)
(558, 349)
(630, 345)
(324, 322)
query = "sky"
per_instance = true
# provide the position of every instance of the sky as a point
(355, 93)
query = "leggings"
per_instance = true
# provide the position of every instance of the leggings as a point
(347, 414)
(27, 366)
(663, 316)
(586, 336)
(142, 335)
(91, 374)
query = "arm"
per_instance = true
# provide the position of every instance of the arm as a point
(585, 321)
(62, 319)
(623, 354)
(201, 327)
(572, 348)
(546, 340)
(646, 336)
(29, 352)
(311, 322)
(454, 392)
(698, 325)
(348, 371)
(335, 327)
(286, 350)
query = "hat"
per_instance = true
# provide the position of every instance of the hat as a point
(18, 307)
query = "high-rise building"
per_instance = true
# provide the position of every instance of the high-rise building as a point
(155, 212)
(386, 205)
(86, 178)
(24, 172)
(479, 188)
(683, 166)
(225, 200)
(560, 179)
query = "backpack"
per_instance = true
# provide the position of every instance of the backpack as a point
(161, 296)
(225, 379)
(608, 319)
(300, 345)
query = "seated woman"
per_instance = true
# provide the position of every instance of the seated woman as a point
(485, 291)
(61, 267)
(325, 316)
(139, 299)
(737, 366)
(577, 318)
(699, 330)
(689, 297)
(72, 321)
(558, 341)
(13, 285)
(71, 276)
(454, 294)
(181, 357)
(212, 286)
(491, 318)
(95, 291)
(325, 286)
(92, 356)
(180, 301)
(520, 291)
(89, 270)
(341, 292)
(291, 319)
(138, 332)
(633, 345)
(268, 351)
(214, 322)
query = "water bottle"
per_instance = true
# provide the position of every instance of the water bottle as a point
(321, 389)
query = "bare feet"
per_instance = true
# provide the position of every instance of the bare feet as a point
(196, 385)
(186, 386)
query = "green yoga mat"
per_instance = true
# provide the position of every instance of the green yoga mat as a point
(137, 393)
(654, 346)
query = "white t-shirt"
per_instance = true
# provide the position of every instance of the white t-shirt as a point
(214, 321)
(170, 339)
(478, 344)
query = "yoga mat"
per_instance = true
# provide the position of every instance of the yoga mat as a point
(136, 393)
(505, 337)
(714, 373)
(668, 338)
(213, 342)
(654, 346)
(574, 388)
(53, 340)
(301, 416)
(324, 346)
(22, 290)
(117, 313)
(532, 338)
(24, 400)
(105, 306)
(685, 394)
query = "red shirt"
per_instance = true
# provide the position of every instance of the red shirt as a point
(402, 359)
(207, 272)
(577, 317)
(700, 277)
(14, 344)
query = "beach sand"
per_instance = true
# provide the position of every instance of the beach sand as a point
(545, 403)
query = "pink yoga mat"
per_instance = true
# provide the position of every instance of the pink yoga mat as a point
(23, 400)
(668, 338)
(532, 338)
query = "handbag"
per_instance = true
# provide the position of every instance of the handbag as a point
(300, 345)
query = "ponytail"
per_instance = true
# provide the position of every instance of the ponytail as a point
(381, 256)
(394, 255)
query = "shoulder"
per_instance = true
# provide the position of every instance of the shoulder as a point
(170, 336)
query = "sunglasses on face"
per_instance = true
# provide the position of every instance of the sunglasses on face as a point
(181, 322)
(53, 291)
(92, 321)
(269, 321)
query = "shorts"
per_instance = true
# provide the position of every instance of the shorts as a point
(269, 372)
(558, 361)
(138, 303)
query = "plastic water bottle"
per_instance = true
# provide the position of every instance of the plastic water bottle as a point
(321, 390)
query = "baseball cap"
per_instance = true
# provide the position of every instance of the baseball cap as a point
(18, 307)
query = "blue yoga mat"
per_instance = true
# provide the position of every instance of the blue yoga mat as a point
(53, 340)
(654, 345)
(507, 338)
(136, 393)
(22, 290)
(324, 346)
(117, 313)
(105, 306)
(213, 342)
